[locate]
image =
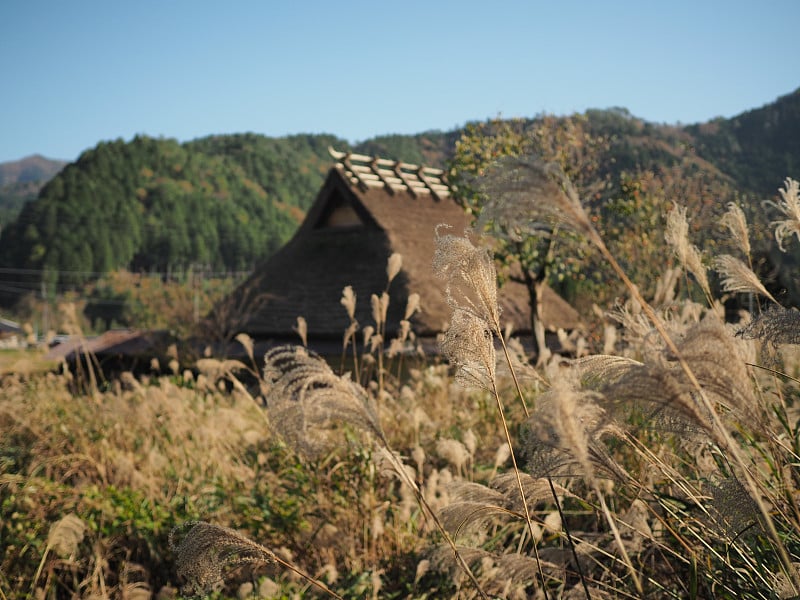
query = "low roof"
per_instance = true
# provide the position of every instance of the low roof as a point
(367, 209)
(124, 342)
(10, 327)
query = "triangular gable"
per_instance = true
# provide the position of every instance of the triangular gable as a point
(336, 207)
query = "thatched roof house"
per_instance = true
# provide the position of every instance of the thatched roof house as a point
(367, 209)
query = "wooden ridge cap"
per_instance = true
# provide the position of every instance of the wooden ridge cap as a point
(392, 175)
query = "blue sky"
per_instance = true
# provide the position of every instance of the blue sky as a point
(79, 72)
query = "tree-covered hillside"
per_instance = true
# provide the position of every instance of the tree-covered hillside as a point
(148, 204)
(758, 148)
(290, 170)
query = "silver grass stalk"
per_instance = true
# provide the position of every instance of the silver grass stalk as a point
(468, 345)
(469, 275)
(412, 305)
(471, 291)
(65, 535)
(789, 206)
(537, 489)
(307, 402)
(471, 287)
(63, 538)
(718, 361)
(302, 330)
(247, 343)
(736, 222)
(579, 421)
(573, 419)
(601, 369)
(738, 277)
(720, 428)
(504, 575)
(526, 196)
(732, 508)
(564, 435)
(663, 391)
(207, 551)
(454, 452)
(473, 508)
(393, 266)
(367, 334)
(677, 236)
(380, 306)
(349, 301)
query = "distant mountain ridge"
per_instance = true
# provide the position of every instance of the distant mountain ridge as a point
(30, 169)
(21, 180)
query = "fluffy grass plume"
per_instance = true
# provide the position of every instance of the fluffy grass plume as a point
(789, 206)
(736, 223)
(469, 275)
(207, 551)
(310, 406)
(526, 195)
(738, 277)
(677, 236)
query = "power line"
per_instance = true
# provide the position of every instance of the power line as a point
(16, 271)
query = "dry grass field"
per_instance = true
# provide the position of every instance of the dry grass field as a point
(661, 464)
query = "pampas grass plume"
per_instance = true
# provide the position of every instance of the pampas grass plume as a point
(380, 306)
(789, 205)
(65, 535)
(412, 305)
(677, 236)
(470, 276)
(393, 266)
(738, 277)
(349, 301)
(736, 222)
(302, 330)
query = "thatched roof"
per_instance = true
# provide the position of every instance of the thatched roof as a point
(367, 209)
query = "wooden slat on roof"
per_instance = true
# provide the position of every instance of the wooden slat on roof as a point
(391, 175)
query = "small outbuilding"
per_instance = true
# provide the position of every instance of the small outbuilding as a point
(12, 334)
(114, 352)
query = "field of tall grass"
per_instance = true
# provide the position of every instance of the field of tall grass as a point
(661, 464)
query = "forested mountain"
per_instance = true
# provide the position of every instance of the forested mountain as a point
(432, 148)
(147, 204)
(21, 180)
(226, 201)
(290, 170)
(758, 148)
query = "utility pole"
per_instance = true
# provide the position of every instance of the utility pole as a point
(196, 283)
(45, 309)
